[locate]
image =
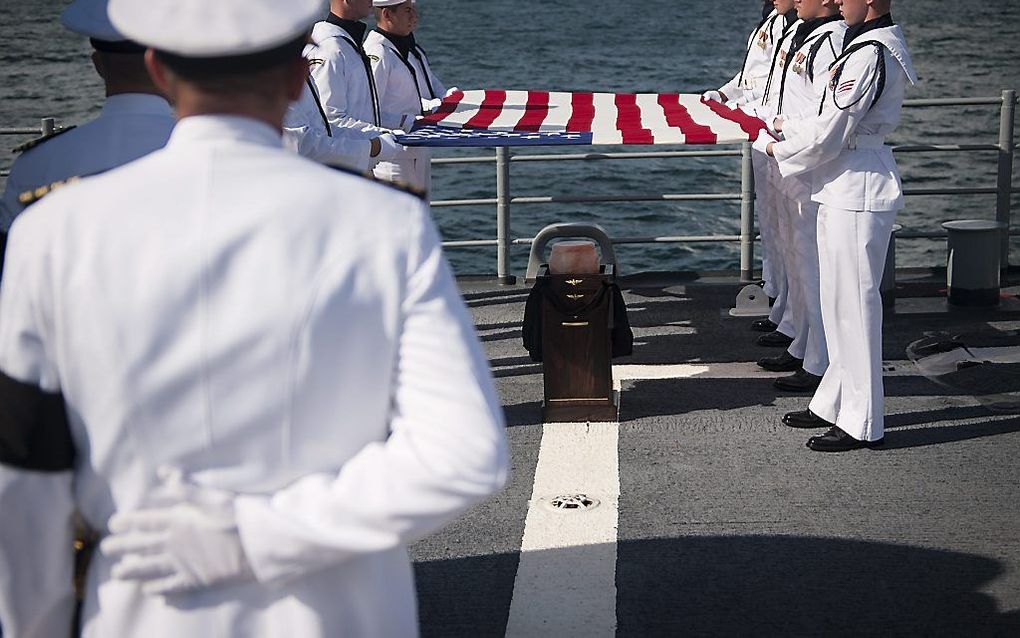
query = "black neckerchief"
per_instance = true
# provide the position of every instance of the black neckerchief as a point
(406, 46)
(807, 28)
(857, 30)
(787, 32)
(404, 43)
(357, 30)
(754, 40)
(354, 28)
(803, 32)
(419, 53)
(789, 18)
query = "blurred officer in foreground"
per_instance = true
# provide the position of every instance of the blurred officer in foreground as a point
(252, 374)
(855, 181)
(406, 84)
(135, 119)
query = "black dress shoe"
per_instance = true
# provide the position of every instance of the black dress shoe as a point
(774, 339)
(785, 362)
(763, 325)
(805, 419)
(799, 381)
(836, 440)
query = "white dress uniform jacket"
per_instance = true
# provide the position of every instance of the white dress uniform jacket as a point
(129, 126)
(844, 148)
(309, 133)
(403, 84)
(344, 80)
(273, 327)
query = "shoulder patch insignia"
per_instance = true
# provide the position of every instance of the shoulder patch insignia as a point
(30, 197)
(400, 186)
(315, 62)
(374, 58)
(27, 146)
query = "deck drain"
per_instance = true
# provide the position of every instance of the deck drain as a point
(571, 503)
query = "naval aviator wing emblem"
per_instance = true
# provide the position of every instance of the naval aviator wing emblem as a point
(575, 282)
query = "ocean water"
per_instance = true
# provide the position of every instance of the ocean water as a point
(648, 46)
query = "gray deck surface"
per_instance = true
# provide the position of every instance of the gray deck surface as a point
(728, 525)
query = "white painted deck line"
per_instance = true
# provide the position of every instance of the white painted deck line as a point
(566, 579)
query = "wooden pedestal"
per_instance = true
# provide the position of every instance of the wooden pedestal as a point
(577, 352)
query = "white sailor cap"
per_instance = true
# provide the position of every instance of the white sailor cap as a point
(215, 28)
(389, 3)
(90, 18)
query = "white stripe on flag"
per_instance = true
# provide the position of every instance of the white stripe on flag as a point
(725, 130)
(603, 129)
(466, 109)
(560, 111)
(654, 119)
(513, 111)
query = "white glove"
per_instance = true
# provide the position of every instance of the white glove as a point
(388, 147)
(451, 91)
(190, 544)
(430, 106)
(715, 96)
(762, 143)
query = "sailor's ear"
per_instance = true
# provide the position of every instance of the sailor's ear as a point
(157, 71)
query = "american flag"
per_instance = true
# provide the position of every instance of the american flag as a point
(538, 118)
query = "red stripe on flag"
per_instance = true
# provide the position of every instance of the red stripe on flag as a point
(535, 112)
(582, 113)
(488, 110)
(677, 115)
(628, 120)
(751, 125)
(448, 106)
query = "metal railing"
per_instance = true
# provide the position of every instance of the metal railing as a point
(503, 201)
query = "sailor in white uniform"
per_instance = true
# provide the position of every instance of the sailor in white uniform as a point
(405, 83)
(252, 374)
(342, 72)
(774, 230)
(798, 88)
(136, 119)
(855, 181)
(308, 132)
(748, 87)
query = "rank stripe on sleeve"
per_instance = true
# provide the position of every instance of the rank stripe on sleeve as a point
(34, 431)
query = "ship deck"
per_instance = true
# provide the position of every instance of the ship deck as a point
(715, 519)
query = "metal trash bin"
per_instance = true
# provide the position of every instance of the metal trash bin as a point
(577, 321)
(973, 261)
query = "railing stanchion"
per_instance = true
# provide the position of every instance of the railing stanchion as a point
(49, 125)
(503, 238)
(1005, 182)
(746, 214)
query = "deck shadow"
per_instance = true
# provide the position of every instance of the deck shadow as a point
(708, 585)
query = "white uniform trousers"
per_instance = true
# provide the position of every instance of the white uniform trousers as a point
(412, 167)
(770, 225)
(762, 208)
(802, 270)
(851, 256)
(788, 316)
(792, 322)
